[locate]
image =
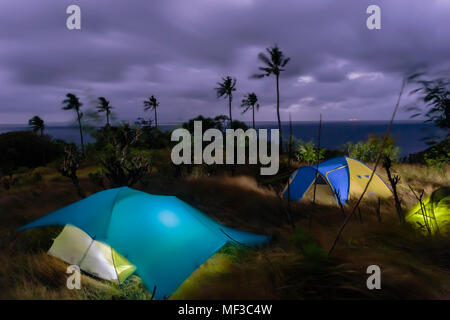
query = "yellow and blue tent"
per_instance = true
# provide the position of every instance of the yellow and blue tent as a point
(338, 179)
(117, 231)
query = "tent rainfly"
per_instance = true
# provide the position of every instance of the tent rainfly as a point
(337, 180)
(114, 232)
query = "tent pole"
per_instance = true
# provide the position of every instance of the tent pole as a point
(85, 253)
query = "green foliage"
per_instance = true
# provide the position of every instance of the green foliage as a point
(151, 104)
(122, 163)
(104, 106)
(26, 149)
(368, 151)
(274, 62)
(219, 122)
(307, 152)
(161, 161)
(436, 96)
(226, 87)
(37, 124)
(154, 138)
(236, 252)
(133, 289)
(250, 102)
(309, 247)
(236, 124)
(437, 158)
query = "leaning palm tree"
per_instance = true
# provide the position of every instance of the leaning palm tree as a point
(225, 89)
(250, 102)
(274, 64)
(73, 103)
(104, 106)
(37, 124)
(152, 103)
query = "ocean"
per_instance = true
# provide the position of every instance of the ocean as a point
(408, 135)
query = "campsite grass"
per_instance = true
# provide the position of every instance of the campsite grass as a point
(294, 265)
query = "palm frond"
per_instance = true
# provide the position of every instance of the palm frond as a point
(265, 59)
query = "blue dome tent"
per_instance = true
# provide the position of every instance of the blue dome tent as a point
(164, 237)
(338, 179)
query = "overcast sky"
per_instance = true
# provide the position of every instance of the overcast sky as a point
(178, 50)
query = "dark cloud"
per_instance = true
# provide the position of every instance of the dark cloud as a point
(178, 50)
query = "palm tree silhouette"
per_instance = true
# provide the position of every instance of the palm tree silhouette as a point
(104, 106)
(274, 64)
(225, 89)
(152, 103)
(73, 103)
(37, 124)
(250, 102)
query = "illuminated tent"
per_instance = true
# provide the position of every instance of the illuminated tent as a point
(76, 247)
(433, 215)
(338, 179)
(164, 237)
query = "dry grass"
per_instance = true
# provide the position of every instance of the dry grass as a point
(291, 266)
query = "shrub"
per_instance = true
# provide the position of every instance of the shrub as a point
(368, 151)
(26, 149)
(437, 158)
(122, 164)
(307, 152)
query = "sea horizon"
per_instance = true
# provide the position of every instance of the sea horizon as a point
(408, 134)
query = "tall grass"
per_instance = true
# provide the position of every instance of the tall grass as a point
(293, 265)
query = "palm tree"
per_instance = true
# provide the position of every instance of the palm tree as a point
(225, 89)
(104, 106)
(37, 124)
(274, 64)
(73, 103)
(250, 102)
(152, 103)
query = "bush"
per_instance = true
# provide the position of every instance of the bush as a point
(368, 151)
(122, 163)
(307, 152)
(437, 158)
(26, 149)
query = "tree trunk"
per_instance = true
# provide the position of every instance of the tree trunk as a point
(76, 183)
(156, 118)
(81, 132)
(278, 114)
(253, 110)
(107, 118)
(229, 109)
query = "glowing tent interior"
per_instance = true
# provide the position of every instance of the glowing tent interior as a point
(165, 238)
(433, 214)
(338, 179)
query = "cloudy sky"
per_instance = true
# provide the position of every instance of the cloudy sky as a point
(178, 50)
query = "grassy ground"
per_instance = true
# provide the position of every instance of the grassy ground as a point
(294, 265)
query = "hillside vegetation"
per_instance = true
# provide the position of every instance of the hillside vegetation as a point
(294, 265)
